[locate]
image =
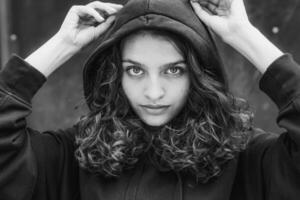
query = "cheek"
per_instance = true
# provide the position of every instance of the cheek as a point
(130, 88)
(181, 90)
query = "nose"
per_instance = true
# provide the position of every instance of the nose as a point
(154, 89)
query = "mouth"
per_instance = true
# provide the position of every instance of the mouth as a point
(155, 109)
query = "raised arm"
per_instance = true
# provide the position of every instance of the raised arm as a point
(228, 18)
(271, 164)
(82, 25)
(33, 165)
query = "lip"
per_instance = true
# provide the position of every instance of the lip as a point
(155, 109)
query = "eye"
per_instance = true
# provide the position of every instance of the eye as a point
(134, 71)
(175, 70)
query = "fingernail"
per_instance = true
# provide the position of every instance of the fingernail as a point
(104, 14)
(193, 1)
(112, 18)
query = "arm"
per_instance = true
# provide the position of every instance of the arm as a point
(235, 29)
(17, 163)
(233, 26)
(271, 164)
(29, 159)
(76, 32)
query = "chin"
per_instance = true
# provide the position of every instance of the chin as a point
(155, 121)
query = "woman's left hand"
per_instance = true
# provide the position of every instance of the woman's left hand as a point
(228, 18)
(224, 17)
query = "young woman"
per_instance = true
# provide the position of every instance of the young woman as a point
(162, 123)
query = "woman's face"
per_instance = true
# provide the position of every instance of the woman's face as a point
(155, 78)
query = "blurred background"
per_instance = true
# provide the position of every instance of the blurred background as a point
(27, 24)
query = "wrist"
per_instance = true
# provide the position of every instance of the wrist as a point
(254, 46)
(51, 55)
(65, 45)
(239, 32)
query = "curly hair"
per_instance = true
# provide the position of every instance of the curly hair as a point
(209, 131)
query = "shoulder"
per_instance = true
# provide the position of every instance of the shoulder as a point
(53, 146)
(262, 137)
(59, 137)
(259, 143)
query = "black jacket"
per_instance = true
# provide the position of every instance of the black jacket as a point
(41, 166)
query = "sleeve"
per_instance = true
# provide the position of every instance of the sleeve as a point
(32, 164)
(281, 157)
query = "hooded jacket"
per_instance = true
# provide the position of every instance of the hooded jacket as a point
(41, 166)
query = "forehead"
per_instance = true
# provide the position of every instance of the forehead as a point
(144, 46)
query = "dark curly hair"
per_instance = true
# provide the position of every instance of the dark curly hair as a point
(210, 130)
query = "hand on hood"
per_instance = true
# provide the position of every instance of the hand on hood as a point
(224, 17)
(228, 18)
(84, 24)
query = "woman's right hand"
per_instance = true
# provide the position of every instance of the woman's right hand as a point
(84, 23)
(81, 26)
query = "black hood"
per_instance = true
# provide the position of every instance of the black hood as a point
(175, 16)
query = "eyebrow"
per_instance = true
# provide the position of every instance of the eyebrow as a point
(168, 64)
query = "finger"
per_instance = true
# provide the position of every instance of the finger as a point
(216, 2)
(203, 3)
(111, 8)
(106, 9)
(116, 6)
(225, 5)
(201, 13)
(88, 14)
(212, 8)
(216, 7)
(104, 26)
(206, 2)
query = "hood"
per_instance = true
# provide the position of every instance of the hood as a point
(175, 16)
